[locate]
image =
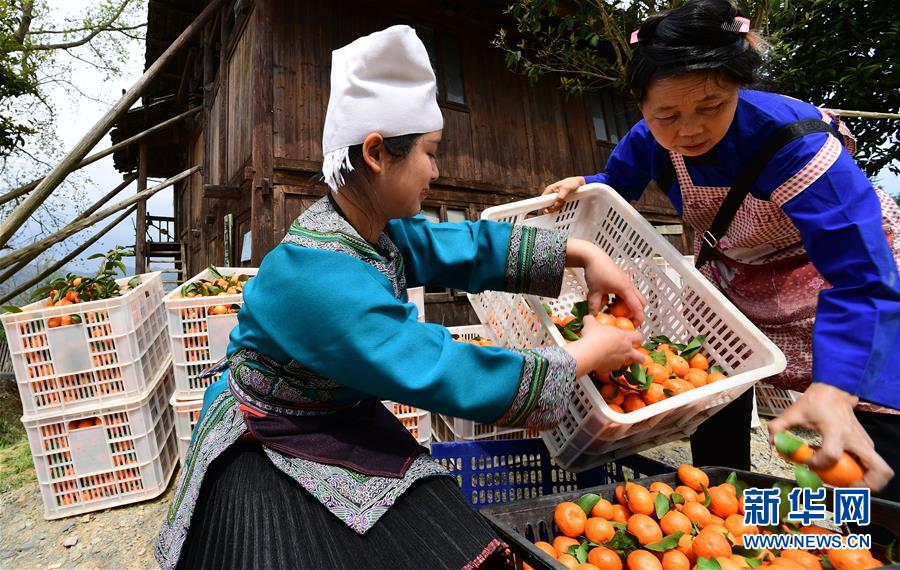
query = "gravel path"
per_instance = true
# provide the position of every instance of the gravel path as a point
(114, 538)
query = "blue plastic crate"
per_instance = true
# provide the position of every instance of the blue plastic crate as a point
(496, 472)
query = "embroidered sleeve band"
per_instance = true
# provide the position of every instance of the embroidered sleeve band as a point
(547, 378)
(535, 261)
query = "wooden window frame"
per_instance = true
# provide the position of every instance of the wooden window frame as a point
(608, 119)
(438, 34)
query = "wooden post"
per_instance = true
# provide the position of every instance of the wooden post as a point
(91, 209)
(79, 225)
(69, 257)
(13, 194)
(24, 210)
(140, 222)
(262, 137)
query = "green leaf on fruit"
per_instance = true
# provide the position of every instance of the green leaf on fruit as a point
(662, 505)
(708, 564)
(693, 347)
(806, 478)
(667, 543)
(587, 502)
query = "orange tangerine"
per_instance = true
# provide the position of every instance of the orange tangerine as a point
(569, 518)
(604, 558)
(602, 509)
(645, 529)
(692, 477)
(599, 530)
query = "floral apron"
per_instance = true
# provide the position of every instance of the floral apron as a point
(762, 267)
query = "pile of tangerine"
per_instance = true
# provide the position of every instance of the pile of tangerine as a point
(693, 526)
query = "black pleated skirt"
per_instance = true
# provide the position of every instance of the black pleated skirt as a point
(251, 515)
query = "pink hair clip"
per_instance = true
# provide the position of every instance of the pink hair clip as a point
(739, 25)
(634, 37)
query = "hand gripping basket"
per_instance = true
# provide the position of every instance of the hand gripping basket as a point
(681, 304)
(198, 337)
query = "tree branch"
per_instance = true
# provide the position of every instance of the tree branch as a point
(100, 66)
(73, 30)
(25, 22)
(101, 27)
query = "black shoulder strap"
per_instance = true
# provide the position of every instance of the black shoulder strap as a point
(747, 176)
(666, 171)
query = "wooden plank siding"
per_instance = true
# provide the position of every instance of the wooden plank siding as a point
(512, 136)
(240, 97)
(265, 110)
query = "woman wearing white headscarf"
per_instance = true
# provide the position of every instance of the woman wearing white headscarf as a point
(295, 462)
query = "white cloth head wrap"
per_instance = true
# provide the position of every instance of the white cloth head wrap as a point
(381, 83)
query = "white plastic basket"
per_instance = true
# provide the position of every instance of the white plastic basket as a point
(772, 401)
(127, 455)
(416, 420)
(416, 296)
(199, 338)
(590, 433)
(187, 412)
(115, 352)
(447, 428)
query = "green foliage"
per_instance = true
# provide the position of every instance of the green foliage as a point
(841, 54)
(16, 465)
(17, 79)
(844, 54)
(37, 49)
(101, 286)
(583, 44)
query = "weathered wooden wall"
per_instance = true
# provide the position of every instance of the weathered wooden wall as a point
(509, 139)
(265, 110)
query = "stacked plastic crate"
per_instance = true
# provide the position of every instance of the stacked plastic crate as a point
(416, 420)
(199, 328)
(94, 378)
(446, 428)
(201, 314)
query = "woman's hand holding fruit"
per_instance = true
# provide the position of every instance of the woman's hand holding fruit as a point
(829, 411)
(603, 277)
(603, 348)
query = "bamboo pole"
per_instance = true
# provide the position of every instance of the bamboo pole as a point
(22, 190)
(23, 211)
(864, 114)
(93, 208)
(77, 226)
(74, 253)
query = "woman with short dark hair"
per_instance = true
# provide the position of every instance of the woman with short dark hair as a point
(785, 223)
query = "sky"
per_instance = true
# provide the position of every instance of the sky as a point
(77, 115)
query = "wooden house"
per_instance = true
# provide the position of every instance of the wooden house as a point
(260, 70)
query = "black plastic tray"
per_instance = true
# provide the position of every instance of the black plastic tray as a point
(523, 522)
